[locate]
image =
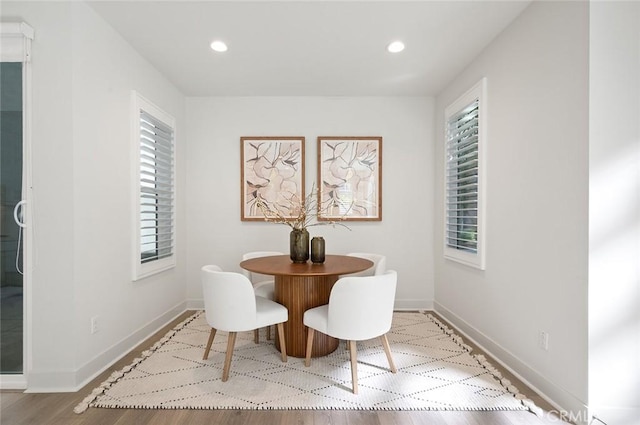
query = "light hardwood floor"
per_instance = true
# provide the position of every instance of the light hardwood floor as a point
(57, 408)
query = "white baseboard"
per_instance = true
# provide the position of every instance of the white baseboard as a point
(72, 381)
(412, 304)
(400, 304)
(195, 304)
(559, 398)
(615, 415)
(13, 382)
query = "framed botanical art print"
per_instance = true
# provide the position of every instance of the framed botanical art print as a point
(350, 178)
(272, 173)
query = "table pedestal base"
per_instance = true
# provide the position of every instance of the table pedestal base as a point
(298, 294)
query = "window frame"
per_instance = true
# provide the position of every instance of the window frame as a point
(148, 268)
(478, 92)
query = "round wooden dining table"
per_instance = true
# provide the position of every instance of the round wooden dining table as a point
(301, 286)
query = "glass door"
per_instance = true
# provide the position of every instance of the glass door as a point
(11, 234)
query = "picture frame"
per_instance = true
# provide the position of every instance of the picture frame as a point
(272, 170)
(349, 178)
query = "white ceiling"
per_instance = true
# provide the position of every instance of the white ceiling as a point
(309, 48)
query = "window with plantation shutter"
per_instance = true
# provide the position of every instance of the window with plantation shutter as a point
(154, 139)
(464, 170)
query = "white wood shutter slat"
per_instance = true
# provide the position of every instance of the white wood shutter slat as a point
(462, 179)
(156, 188)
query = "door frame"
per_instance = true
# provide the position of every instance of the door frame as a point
(15, 39)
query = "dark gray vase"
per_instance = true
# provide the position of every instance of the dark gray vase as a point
(299, 246)
(317, 250)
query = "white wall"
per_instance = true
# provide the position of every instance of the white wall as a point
(83, 74)
(537, 202)
(614, 212)
(217, 236)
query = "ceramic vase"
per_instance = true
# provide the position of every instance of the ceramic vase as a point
(317, 250)
(299, 245)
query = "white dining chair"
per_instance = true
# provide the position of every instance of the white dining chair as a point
(231, 305)
(263, 285)
(379, 263)
(359, 308)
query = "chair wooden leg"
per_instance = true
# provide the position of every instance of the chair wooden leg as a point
(354, 365)
(209, 342)
(227, 360)
(307, 359)
(387, 350)
(283, 343)
(256, 336)
(268, 333)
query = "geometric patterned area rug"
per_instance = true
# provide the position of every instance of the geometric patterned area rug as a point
(435, 371)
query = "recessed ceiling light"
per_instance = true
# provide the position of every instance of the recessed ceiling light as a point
(395, 47)
(219, 46)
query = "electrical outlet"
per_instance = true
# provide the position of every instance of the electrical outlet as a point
(543, 340)
(94, 324)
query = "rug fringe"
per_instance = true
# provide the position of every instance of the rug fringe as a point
(482, 360)
(115, 376)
